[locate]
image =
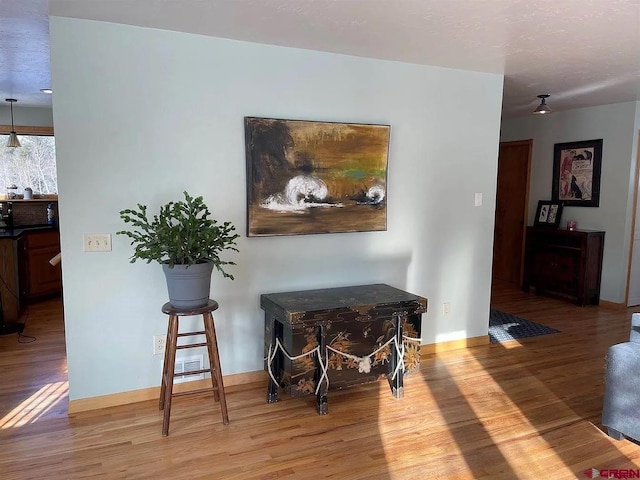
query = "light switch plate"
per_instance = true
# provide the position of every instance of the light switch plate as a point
(478, 199)
(97, 242)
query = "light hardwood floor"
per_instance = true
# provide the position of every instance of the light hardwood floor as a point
(528, 409)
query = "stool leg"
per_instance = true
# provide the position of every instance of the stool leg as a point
(214, 359)
(165, 370)
(170, 361)
(208, 325)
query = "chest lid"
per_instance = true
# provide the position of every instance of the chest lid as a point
(292, 306)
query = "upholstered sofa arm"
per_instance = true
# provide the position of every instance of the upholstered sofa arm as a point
(622, 390)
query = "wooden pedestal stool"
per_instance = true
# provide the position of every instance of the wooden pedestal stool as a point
(166, 389)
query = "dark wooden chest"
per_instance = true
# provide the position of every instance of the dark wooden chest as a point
(334, 338)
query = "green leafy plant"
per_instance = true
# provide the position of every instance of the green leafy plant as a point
(181, 234)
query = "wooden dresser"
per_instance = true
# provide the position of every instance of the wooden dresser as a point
(566, 263)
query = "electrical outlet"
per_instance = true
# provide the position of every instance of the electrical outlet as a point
(446, 309)
(159, 344)
(97, 242)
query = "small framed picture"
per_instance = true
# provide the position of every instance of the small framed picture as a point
(548, 214)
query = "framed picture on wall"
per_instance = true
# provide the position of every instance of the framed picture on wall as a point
(576, 173)
(548, 214)
(306, 176)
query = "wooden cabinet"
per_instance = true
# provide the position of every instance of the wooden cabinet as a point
(38, 278)
(566, 263)
(9, 295)
(359, 332)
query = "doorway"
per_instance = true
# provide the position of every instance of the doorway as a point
(512, 198)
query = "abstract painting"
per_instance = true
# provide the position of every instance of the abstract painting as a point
(306, 177)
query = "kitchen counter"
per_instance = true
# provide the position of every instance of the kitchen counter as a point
(14, 233)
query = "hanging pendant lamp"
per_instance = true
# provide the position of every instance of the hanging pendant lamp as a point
(543, 107)
(13, 137)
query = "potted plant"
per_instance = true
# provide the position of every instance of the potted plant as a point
(186, 242)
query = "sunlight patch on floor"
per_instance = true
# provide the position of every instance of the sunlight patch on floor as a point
(487, 426)
(508, 345)
(489, 404)
(403, 463)
(34, 407)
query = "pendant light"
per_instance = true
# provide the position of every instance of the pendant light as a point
(13, 138)
(543, 107)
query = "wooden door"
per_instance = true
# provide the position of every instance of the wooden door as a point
(512, 197)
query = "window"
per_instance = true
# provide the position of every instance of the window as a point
(31, 165)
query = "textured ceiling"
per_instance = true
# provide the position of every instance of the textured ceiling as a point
(582, 52)
(24, 51)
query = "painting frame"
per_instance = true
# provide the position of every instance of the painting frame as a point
(576, 173)
(313, 177)
(548, 214)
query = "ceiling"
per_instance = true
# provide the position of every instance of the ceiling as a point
(581, 52)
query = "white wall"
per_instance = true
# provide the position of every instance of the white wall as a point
(26, 116)
(143, 114)
(615, 125)
(633, 297)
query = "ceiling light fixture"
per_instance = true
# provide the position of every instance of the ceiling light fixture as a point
(543, 107)
(13, 138)
(46, 90)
